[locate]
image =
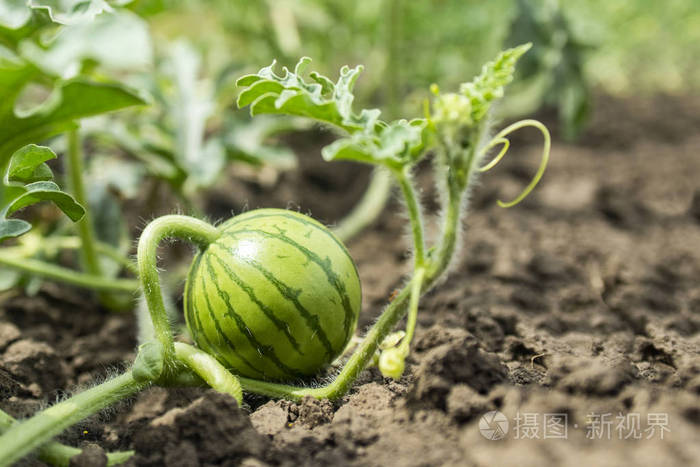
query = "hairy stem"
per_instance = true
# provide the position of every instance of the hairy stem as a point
(369, 208)
(445, 248)
(183, 227)
(416, 285)
(68, 276)
(58, 454)
(210, 370)
(22, 438)
(415, 215)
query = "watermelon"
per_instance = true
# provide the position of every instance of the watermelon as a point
(275, 297)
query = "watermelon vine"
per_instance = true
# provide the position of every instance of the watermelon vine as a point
(272, 296)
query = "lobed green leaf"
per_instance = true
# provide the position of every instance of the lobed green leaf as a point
(322, 99)
(494, 76)
(395, 145)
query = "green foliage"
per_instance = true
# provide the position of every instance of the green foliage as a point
(370, 140)
(321, 99)
(189, 133)
(28, 182)
(455, 112)
(396, 145)
(488, 86)
(70, 100)
(75, 11)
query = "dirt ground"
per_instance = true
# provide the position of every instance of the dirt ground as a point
(576, 315)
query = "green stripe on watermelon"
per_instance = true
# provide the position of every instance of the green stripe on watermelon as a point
(292, 295)
(266, 351)
(291, 215)
(190, 319)
(220, 334)
(324, 264)
(248, 290)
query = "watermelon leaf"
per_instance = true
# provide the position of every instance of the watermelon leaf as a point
(28, 164)
(395, 145)
(488, 86)
(28, 183)
(320, 98)
(74, 99)
(370, 140)
(10, 228)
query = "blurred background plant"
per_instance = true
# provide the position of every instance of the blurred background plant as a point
(181, 56)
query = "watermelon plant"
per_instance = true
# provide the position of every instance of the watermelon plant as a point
(184, 138)
(46, 89)
(272, 296)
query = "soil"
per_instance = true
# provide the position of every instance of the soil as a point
(580, 306)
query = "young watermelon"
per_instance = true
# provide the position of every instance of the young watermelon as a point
(276, 297)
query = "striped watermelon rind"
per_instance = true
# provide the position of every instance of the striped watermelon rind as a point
(276, 297)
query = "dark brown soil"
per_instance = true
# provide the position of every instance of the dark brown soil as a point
(583, 302)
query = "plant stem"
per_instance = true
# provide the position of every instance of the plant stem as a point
(414, 214)
(186, 228)
(49, 245)
(88, 250)
(416, 285)
(210, 370)
(22, 438)
(58, 454)
(368, 208)
(105, 249)
(450, 228)
(61, 274)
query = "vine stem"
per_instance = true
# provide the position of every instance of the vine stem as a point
(88, 252)
(105, 249)
(24, 437)
(86, 232)
(210, 370)
(68, 276)
(368, 208)
(183, 227)
(58, 454)
(414, 214)
(416, 285)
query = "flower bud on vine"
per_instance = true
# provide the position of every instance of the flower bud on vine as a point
(392, 362)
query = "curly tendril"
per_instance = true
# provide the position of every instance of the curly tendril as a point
(495, 142)
(500, 138)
